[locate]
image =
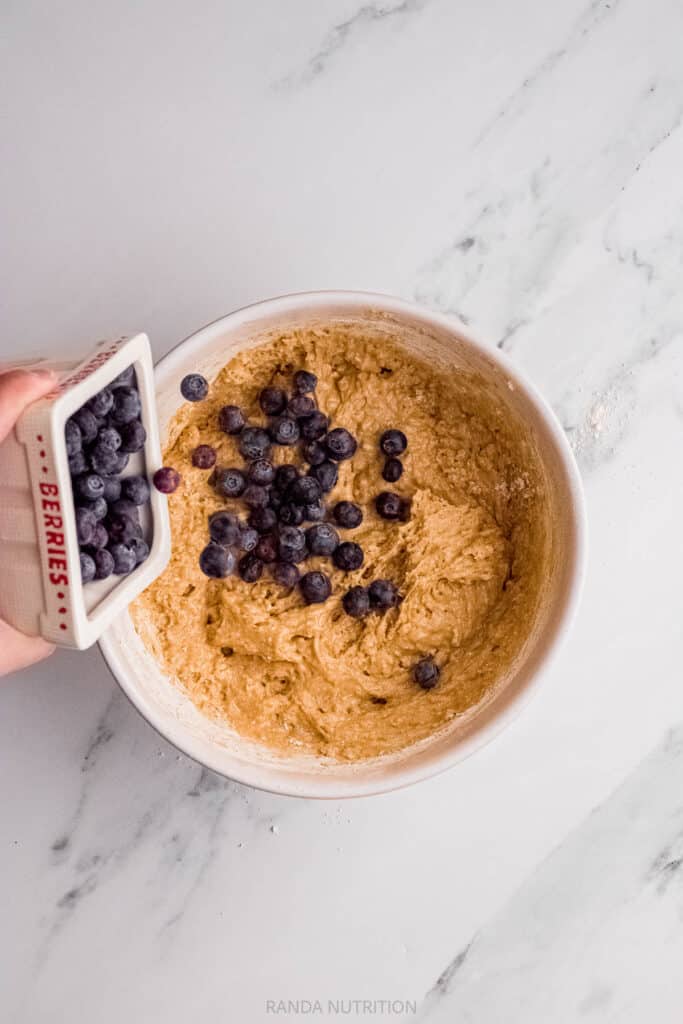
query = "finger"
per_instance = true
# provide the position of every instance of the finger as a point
(19, 651)
(19, 388)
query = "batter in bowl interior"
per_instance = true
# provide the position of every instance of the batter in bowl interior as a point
(470, 562)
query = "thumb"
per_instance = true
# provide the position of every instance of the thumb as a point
(18, 389)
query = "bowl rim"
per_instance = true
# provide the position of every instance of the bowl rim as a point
(319, 786)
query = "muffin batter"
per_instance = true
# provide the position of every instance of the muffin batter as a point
(469, 562)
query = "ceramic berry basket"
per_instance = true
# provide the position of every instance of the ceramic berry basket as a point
(437, 338)
(42, 593)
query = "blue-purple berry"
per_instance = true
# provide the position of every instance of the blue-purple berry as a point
(340, 444)
(133, 436)
(348, 556)
(101, 403)
(393, 442)
(304, 382)
(87, 567)
(126, 406)
(104, 564)
(322, 539)
(426, 673)
(224, 528)
(254, 443)
(194, 387)
(272, 401)
(89, 486)
(231, 419)
(315, 587)
(216, 561)
(135, 489)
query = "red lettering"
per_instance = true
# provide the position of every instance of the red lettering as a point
(54, 521)
(55, 538)
(49, 489)
(56, 563)
(59, 579)
(53, 506)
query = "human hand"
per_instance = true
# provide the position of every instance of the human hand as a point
(19, 388)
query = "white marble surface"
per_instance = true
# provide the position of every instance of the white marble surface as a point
(518, 165)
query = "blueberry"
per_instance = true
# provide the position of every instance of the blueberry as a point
(135, 489)
(322, 539)
(89, 486)
(104, 564)
(78, 464)
(340, 444)
(121, 461)
(356, 602)
(284, 430)
(204, 456)
(389, 505)
(216, 561)
(261, 472)
(112, 488)
(393, 442)
(314, 453)
(383, 594)
(230, 483)
(304, 491)
(122, 528)
(98, 507)
(87, 423)
(275, 500)
(304, 382)
(141, 549)
(315, 587)
(224, 528)
(286, 574)
(249, 538)
(73, 438)
(250, 568)
(125, 379)
(254, 443)
(272, 401)
(108, 438)
(133, 436)
(101, 403)
(87, 567)
(100, 537)
(291, 515)
(392, 471)
(326, 474)
(231, 419)
(166, 480)
(426, 673)
(255, 496)
(300, 405)
(347, 514)
(194, 387)
(263, 519)
(284, 476)
(125, 508)
(85, 525)
(124, 558)
(348, 556)
(314, 511)
(313, 427)
(291, 544)
(104, 461)
(267, 549)
(126, 406)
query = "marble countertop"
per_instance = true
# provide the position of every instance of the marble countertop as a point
(515, 165)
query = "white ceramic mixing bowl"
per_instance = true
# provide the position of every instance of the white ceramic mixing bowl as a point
(437, 339)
